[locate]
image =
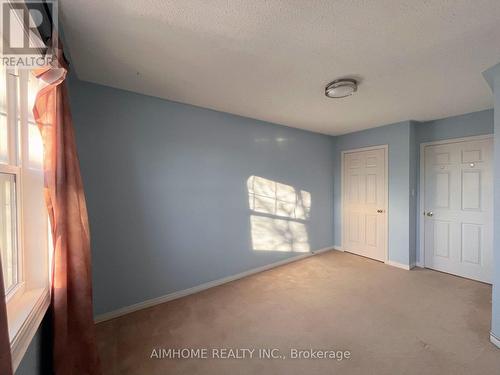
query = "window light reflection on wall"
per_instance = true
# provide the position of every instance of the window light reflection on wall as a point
(279, 216)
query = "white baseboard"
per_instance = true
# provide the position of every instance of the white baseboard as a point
(324, 250)
(495, 340)
(398, 265)
(420, 264)
(186, 292)
(338, 248)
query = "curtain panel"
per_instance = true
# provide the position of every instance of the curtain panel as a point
(74, 345)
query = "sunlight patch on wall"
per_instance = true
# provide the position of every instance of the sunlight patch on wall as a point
(274, 198)
(280, 212)
(278, 235)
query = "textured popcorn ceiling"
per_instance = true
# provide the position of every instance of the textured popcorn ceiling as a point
(271, 59)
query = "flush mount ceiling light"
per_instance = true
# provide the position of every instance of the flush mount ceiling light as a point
(340, 88)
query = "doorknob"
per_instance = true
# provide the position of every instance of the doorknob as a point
(430, 214)
(380, 211)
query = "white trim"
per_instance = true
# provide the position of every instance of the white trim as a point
(10, 169)
(369, 148)
(323, 250)
(398, 265)
(186, 292)
(421, 192)
(494, 340)
(11, 91)
(386, 208)
(457, 140)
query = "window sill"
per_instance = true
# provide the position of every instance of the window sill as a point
(25, 313)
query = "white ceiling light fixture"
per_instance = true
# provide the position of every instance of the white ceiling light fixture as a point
(341, 88)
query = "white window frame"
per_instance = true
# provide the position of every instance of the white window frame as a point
(29, 299)
(12, 168)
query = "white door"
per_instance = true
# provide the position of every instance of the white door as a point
(458, 208)
(364, 203)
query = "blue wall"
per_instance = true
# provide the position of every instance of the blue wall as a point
(413, 166)
(397, 136)
(492, 76)
(167, 196)
(470, 124)
(495, 324)
(38, 357)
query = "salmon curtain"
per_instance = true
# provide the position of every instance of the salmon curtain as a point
(5, 357)
(74, 345)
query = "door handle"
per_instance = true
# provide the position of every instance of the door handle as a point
(430, 214)
(380, 211)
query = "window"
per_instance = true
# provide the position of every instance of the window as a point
(9, 175)
(8, 231)
(24, 242)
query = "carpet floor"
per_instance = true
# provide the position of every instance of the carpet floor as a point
(391, 321)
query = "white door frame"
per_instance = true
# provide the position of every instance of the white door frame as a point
(386, 182)
(421, 250)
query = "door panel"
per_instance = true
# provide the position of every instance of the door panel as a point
(458, 235)
(442, 190)
(471, 190)
(442, 239)
(471, 243)
(364, 216)
(371, 230)
(354, 227)
(371, 189)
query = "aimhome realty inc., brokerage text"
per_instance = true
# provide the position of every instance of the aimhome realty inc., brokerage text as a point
(249, 353)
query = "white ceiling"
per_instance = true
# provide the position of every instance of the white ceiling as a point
(270, 59)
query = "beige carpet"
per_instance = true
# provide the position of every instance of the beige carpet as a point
(392, 321)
